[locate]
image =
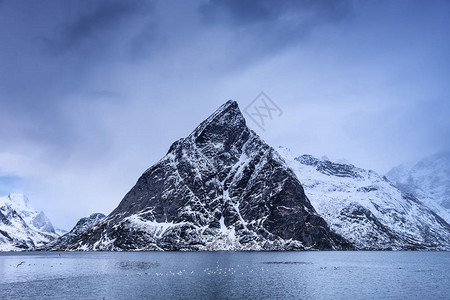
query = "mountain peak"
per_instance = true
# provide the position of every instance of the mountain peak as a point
(227, 116)
(20, 199)
(23, 226)
(221, 188)
(229, 104)
(427, 179)
(82, 225)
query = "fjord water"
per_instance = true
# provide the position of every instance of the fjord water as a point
(224, 275)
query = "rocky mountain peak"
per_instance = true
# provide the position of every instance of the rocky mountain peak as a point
(86, 222)
(82, 225)
(222, 129)
(20, 200)
(228, 116)
(219, 188)
(21, 226)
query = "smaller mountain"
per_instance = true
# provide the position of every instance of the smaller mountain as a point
(365, 208)
(427, 179)
(21, 226)
(43, 223)
(82, 225)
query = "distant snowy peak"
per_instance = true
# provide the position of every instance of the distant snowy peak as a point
(366, 208)
(21, 226)
(43, 223)
(32, 217)
(428, 179)
(60, 231)
(18, 202)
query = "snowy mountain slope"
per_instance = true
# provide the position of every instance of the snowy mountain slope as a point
(220, 188)
(367, 209)
(21, 226)
(428, 180)
(60, 231)
(82, 225)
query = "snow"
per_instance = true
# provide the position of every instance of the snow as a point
(26, 228)
(338, 191)
(152, 227)
(427, 179)
(223, 173)
(223, 228)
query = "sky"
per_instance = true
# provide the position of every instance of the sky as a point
(92, 93)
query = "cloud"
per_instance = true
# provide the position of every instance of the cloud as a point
(10, 184)
(247, 12)
(94, 25)
(263, 28)
(94, 92)
(48, 63)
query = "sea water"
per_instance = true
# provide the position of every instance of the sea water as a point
(225, 275)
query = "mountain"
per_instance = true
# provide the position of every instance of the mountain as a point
(365, 208)
(21, 226)
(428, 180)
(82, 225)
(220, 188)
(60, 231)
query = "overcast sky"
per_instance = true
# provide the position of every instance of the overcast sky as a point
(92, 93)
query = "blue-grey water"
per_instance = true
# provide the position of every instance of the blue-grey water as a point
(225, 275)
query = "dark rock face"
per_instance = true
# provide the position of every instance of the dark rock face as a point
(220, 188)
(82, 225)
(329, 168)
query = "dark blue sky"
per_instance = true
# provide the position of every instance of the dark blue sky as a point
(94, 92)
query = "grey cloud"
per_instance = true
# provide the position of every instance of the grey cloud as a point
(247, 12)
(145, 42)
(46, 66)
(265, 27)
(10, 183)
(96, 91)
(97, 22)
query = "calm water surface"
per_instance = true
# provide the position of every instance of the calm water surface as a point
(225, 275)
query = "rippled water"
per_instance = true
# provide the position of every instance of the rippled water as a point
(225, 275)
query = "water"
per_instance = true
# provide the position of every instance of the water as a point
(225, 275)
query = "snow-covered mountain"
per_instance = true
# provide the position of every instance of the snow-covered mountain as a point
(60, 231)
(82, 225)
(220, 188)
(428, 180)
(21, 226)
(365, 208)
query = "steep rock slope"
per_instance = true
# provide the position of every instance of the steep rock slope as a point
(220, 188)
(21, 226)
(366, 208)
(82, 225)
(428, 180)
